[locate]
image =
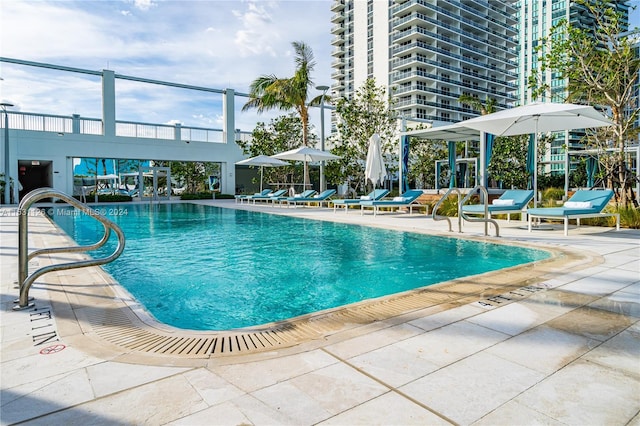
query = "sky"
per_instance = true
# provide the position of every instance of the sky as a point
(211, 43)
(634, 16)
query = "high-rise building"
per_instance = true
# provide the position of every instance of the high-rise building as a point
(428, 53)
(535, 20)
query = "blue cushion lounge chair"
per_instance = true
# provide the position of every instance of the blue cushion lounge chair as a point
(376, 194)
(305, 194)
(408, 199)
(321, 198)
(241, 197)
(269, 197)
(583, 204)
(511, 201)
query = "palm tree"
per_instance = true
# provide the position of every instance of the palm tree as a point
(485, 108)
(270, 92)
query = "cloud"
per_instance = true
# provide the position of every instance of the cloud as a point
(258, 30)
(215, 44)
(143, 4)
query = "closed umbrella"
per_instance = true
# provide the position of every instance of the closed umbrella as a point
(262, 161)
(405, 142)
(535, 118)
(306, 154)
(375, 169)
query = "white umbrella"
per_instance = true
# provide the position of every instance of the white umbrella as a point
(535, 118)
(262, 161)
(306, 154)
(375, 169)
(538, 117)
(450, 132)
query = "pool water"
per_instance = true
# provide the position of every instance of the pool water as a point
(208, 268)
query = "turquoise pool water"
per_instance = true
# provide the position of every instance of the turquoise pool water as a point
(208, 268)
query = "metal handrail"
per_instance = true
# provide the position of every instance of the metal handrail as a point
(440, 201)
(486, 219)
(23, 242)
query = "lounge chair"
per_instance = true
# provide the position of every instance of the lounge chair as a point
(305, 194)
(376, 194)
(511, 201)
(241, 197)
(269, 197)
(408, 199)
(583, 204)
(321, 198)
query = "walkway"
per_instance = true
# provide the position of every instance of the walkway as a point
(561, 346)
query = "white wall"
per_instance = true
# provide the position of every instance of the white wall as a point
(381, 68)
(48, 146)
(359, 43)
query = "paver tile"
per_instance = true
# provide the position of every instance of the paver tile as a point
(467, 390)
(585, 393)
(387, 409)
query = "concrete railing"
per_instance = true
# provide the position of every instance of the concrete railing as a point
(93, 126)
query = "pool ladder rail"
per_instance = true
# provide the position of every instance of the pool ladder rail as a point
(434, 212)
(24, 279)
(486, 218)
(461, 215)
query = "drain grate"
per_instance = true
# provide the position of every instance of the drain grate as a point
(117, 328)
(121, 327)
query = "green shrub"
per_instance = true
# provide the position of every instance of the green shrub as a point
(629, 217)
(113, 198)
(449, 207)
(105, 198)
(204, 195)
(553, 194)
(599, 221)
(225, 197)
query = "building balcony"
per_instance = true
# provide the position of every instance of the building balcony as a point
(337, 18)
(337, 6)
(337, 29)
(338, 40)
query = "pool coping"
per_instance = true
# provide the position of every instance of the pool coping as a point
(106, 321)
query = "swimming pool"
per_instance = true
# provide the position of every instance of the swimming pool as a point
(209, 268)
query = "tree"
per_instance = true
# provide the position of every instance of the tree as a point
(509, 161)
(270, 92)
(422, 160)
(192, 174)
(370, 111)
(601, 68)
(281, 134)
(486, 107)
